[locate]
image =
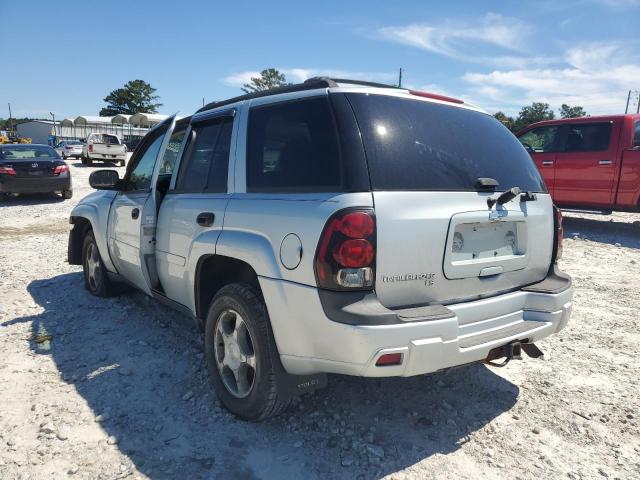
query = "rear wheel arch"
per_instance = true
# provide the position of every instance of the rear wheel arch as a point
(213, 272)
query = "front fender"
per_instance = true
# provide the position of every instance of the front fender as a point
(97, 213)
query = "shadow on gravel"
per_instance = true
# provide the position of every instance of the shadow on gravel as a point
(603, 230)
(26, 199)
(141, 370)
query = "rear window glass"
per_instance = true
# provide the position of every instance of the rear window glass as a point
(293, 146)
(19, 152)
(588, 137)
(106, 139)
(418, 145)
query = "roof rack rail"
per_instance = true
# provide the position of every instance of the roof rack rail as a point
(364, 83)
(309, 84)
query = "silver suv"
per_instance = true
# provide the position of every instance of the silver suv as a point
(333, 226)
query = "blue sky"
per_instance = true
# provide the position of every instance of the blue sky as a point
(67, 55)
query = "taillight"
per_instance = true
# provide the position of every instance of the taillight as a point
(558, 234)
(60, 169)
(7, 170)
(345, 258)
(68, 147)
(90, 147)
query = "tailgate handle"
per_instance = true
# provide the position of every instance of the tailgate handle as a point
(488, 271)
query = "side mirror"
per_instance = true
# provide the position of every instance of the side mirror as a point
(104, 180)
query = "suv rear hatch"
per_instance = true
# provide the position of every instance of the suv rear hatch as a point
(437, 239)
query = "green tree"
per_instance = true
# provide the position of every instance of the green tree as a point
(536, 112)
(571, 112)
(268, 79)
(134, 97)
(507, 121)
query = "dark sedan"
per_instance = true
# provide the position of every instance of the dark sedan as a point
(33, 169)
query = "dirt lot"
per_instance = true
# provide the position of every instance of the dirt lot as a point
(117, 388)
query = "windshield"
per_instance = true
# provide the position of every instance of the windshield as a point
(418, 145)
(27, 152)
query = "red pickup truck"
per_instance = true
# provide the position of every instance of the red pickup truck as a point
(588, 163)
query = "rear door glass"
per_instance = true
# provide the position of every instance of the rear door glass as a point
(206, 158)
(588, 137)
(418, 145)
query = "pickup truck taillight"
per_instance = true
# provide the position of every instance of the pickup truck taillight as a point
(7, 171)
(90, 148)
(558, 233)
(60, 169)
(345, 258)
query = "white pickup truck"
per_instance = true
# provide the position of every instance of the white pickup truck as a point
(103, 147)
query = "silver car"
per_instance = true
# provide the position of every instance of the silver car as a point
(333, 226)
(69, 148)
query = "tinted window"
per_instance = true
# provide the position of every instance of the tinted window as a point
(171, 152)
(636, 136)
(541, 140)
(418, 145)
(206, 158)
(293, 147)
(588, 137)
(140, 177)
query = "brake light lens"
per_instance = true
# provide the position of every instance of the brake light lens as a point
(60, 169)
(345, 257)
(435, 96)
(90, 147)
(559, 234)
(7, 171)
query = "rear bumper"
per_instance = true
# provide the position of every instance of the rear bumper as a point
(310, 342)
(107, 157)
(14, 184)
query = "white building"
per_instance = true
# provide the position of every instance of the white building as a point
(125, 127)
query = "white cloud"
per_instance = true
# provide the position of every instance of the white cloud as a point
(595, 76)
(461, 40)
(297, 75)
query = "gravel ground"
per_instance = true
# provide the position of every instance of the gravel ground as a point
(117, 388)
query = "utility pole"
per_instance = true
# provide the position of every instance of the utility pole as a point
(626, 110)
(10, 118)
(400, 78)
(203, 101)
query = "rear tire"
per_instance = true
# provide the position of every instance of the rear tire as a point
(241, 354)
(89, 162)
(122, 163)
(83, 160)
(67, 194)
(95, 273)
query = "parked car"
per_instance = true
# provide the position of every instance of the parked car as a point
(33, 169)
(103, 147)
(69, 148)
(589, 163)
(333, 226)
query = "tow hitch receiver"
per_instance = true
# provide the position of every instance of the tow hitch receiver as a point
(512, 351)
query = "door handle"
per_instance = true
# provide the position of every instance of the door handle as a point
(547, 163)
(205, 219)
(605, 162)
(135, 213)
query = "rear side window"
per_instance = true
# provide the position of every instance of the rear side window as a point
(206, 157)
(636, 135)
(588, 137)
(293, 146)
(541, 139)
(418, 145)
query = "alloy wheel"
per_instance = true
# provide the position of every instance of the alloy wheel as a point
(234, 353)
